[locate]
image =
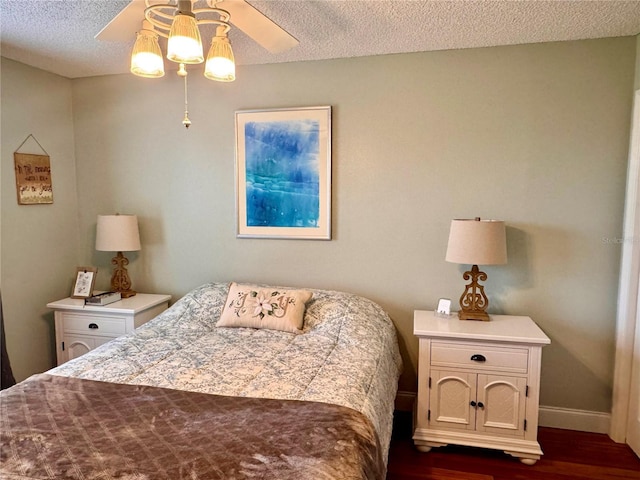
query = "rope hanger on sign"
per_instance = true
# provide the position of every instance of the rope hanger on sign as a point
(35, 140)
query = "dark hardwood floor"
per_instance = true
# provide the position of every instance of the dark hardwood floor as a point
(568, 455)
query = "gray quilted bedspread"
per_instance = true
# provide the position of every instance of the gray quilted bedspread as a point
(347, 355)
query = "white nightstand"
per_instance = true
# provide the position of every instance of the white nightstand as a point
(479, 383)
(81, 328)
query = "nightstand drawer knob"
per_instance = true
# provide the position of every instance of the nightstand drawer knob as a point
(93, 326)
(478, 358)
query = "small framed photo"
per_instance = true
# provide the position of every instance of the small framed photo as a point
(84, 282)
(444, 307)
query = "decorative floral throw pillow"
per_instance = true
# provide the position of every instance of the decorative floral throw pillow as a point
(259, 307)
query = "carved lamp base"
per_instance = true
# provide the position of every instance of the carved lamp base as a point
(474, 302)
(473, 315)
(120, 281)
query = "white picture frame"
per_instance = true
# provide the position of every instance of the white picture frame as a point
(84, 282)
(283, 173)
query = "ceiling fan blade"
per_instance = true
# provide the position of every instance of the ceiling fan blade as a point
(257, 26)
(124, 25)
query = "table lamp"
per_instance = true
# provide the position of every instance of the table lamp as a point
(118, 233)
(476, 242)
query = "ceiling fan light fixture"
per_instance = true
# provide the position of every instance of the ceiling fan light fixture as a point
(220, 64)
(184, 44)
(178, 21)
(146, 57)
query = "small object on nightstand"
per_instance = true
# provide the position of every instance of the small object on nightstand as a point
(444, 308)
(104, 298)
(84, 283)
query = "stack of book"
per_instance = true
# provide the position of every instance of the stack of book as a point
(103, 298)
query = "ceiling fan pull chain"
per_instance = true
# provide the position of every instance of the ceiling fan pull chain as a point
(183, 73)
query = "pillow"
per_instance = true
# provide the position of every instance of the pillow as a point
(263, 307)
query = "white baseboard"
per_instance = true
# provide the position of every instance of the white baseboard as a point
(554, 417)
(405, 401)
(570, 419)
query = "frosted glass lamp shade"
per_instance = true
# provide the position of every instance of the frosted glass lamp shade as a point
(184, 44)
(117, 233)
(477, 242)
(146, 58)
(220, 64)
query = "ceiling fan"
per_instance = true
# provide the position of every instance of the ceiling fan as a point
(242, 15)
(180, 21)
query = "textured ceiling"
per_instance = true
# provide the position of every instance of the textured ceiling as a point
(58, 35)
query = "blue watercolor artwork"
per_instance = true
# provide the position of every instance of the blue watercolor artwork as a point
(282, 173)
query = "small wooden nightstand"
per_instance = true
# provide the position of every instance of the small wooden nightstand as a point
(479, 383)
(81, 328)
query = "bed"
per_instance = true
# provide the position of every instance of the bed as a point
(184, 397)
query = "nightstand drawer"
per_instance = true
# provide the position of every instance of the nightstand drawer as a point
(79, 323)
(479, 356)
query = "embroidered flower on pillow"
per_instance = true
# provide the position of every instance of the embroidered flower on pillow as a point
(263, 305)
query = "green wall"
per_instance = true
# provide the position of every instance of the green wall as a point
(536, 135)
(39, 242)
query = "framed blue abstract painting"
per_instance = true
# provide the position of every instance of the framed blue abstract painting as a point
(283, 173)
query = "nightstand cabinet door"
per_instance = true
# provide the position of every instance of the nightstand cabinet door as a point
(451, 394)
(501, 405)
(485, 403)
(75, 345)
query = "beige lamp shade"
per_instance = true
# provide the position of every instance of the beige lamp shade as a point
(477, 242)
(117, 233)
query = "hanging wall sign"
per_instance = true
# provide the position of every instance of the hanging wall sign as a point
(33, 177)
